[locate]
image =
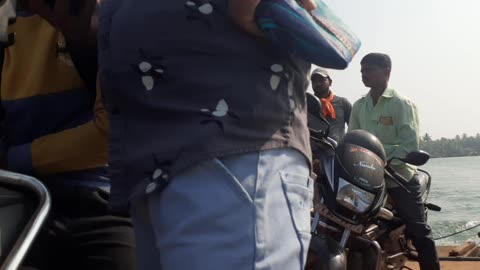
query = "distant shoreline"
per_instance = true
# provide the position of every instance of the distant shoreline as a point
(460, 146)
(455, 156)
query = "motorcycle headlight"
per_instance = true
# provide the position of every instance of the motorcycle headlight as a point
(353, 198)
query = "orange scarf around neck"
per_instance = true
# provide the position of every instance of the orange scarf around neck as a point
(327, 106)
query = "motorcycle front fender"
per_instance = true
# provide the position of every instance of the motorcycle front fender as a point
(325, 253)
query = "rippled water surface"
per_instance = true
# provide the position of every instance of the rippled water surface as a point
(456, 188)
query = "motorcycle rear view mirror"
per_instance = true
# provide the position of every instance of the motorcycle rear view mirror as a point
(24, 206)
(417, 158)
(316, 120)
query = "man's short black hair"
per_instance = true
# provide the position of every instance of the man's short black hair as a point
(378, 59)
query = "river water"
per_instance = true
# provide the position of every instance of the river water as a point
(456, 188)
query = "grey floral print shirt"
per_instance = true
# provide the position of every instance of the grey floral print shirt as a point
(183, 84)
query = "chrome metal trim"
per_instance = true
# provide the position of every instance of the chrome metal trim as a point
(332, 142)
(326, 226)
(385, 214)
(325, 212)
(377, 247)
(23, 243)
(316, 218)
(345, 237)
(394, 256)
(371, 228)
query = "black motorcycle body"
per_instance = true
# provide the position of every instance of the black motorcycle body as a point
(351, 204)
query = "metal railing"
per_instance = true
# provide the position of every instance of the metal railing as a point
(34, 224)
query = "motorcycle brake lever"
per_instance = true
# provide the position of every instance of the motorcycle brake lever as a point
(7, 17)
(433, 207)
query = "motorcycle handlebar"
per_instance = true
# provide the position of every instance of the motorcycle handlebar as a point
(396, 177)
(320, 137)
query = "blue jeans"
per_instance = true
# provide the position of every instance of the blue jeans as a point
(248, 211)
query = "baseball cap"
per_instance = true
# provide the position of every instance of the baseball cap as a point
(322, 72)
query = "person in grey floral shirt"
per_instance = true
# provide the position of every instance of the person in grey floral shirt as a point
(209, 143)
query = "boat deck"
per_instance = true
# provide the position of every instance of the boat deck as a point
(464, 257)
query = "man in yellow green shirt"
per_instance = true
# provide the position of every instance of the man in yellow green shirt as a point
(393, 118)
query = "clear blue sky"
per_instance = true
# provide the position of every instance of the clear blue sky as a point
(435, 50)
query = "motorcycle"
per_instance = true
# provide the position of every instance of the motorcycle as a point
(354, 226)
(24, 206)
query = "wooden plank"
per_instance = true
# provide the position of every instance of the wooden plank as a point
(444, 265)
(443, 251)
(463, 249)
(473, 252)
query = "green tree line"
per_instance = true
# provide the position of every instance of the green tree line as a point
(459, 146)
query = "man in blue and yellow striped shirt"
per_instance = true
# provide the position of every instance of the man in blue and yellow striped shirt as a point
(55, 127)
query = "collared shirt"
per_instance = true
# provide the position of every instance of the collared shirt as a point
(184, 84)
(394, 120)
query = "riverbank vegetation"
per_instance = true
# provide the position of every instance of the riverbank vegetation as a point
(457, 147)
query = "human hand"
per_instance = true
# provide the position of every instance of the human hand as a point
(81, 27)
(242, 13)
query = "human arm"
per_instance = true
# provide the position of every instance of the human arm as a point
(79, 148)
(353, 122)
(242, 13)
